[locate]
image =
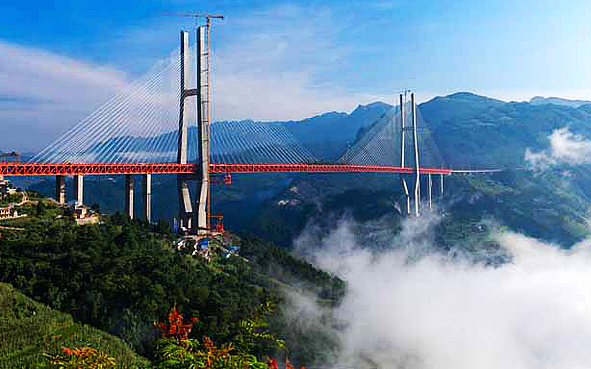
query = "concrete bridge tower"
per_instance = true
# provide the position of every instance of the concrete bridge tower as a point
(184, 198)
(202, 201)
(195, 216)
(412, 129)
(403, 181)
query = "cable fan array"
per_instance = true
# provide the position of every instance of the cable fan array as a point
(249, 142)
(136, 126)
(380, 145)
(140, 126)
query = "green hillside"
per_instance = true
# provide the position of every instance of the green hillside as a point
(542, 205)
(122, 276)
(29, 329)
(470, 131)
(476, 131)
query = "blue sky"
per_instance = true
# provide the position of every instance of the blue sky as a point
(277, 60)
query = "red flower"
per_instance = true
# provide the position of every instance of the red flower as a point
(272, 364)
(67, 350)
(176, 328)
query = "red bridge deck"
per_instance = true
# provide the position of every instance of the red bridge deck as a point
(107, 169)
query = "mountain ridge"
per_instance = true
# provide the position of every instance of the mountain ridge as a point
(540, 100)
(470, 131)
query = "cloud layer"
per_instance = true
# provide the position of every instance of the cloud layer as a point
(277, 67)
(406, 311)
(565, 148)
(42, 94)
(271, 64)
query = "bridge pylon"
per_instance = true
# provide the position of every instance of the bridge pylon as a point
(416, 193)
(195, 217)
(412, 129)
(403, 182)
(202, 200)
(415, 141)
(184, 197)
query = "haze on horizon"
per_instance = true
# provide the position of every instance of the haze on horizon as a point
(282, 60)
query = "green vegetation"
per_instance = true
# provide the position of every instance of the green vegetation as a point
(40, 213)
(29, 329)
(175, 350)
(121, 276)
(477, 131)
(11, 199)
(277, 262)
(542, 205)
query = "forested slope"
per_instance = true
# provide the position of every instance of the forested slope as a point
(29, 330)
(122, 276)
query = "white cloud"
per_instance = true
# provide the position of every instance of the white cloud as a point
(565, 148)
(433, 311)
(42, 94)
(272, 64)
(383, 5)
(279, 64)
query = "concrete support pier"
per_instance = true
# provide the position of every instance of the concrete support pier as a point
(441, 184)
(129, 195)
(430, 192)
(147, 194)
(79, 189)
(60, 189)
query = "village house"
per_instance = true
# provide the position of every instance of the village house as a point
(8, 212)
(6, 188)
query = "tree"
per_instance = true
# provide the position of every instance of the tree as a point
(177, 351)
(76, 358)
(96, 207)
(41, 208)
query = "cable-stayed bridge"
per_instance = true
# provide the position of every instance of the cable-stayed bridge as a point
(152, 127)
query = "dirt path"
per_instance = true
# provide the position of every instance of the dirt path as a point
(12, 228)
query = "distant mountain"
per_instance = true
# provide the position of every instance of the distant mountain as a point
(327, 135)
(470, 131)
(477, 131)
(456, 106)
(539, 100)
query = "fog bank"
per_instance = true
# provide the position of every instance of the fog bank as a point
(409, 306)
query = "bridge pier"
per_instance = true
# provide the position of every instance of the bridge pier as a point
(79, 189)
(441, 184)
(406, 194)
(185, 207)
(60, 189)
(147, 194)
(129, 195)
(430, 192)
